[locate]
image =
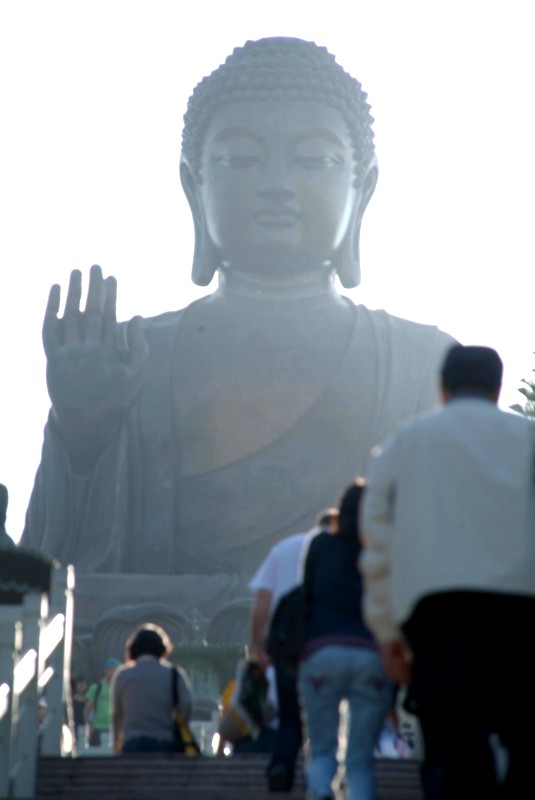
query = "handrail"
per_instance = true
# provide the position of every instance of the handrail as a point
(35, 654)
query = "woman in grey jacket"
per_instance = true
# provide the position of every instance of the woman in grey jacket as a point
(142, 694)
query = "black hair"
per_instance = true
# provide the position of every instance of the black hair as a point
(148, 640)
(326, 517)
(348, 507)
(472, 368)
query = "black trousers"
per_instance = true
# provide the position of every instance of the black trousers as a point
(289, 734)
(472, 681)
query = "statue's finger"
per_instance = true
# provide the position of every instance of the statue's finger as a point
(94, 305)
(50, 322)
(109, 317)
(137, 344)
(71, 314)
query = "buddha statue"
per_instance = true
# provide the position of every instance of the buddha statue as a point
(184, 446)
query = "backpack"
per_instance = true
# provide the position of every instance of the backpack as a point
(287, 628)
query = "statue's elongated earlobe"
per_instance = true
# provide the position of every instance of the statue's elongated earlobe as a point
(347, 259)
(205, 259)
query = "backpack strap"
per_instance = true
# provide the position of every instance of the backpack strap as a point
(174, 686)
(97, 695)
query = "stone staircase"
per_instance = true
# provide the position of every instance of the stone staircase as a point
(177, 777)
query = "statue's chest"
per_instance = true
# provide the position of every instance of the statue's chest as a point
(236, 390)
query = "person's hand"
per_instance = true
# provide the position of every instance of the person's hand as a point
(397, 660)
(93, 375)
(259, 655)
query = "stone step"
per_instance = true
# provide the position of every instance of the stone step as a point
(160, 777)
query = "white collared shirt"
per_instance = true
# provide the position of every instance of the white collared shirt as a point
(450, 504)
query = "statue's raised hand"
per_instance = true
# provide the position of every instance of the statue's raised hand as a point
(94, 365)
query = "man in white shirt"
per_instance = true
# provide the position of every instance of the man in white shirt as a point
(448, 528)
(279, 572)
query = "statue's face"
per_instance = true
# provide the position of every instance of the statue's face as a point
(277, 188)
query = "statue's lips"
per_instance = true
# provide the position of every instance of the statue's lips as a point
(281, 218)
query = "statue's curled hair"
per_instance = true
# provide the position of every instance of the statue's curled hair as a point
(279, 68)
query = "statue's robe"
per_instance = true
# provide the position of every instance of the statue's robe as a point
(135, 512)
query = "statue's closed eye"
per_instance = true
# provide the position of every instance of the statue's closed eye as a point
(235, 161)
(318, 162)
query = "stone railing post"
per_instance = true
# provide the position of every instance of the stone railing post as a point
(36, 618)
(55, 658)
(24, 733)
(7, 652)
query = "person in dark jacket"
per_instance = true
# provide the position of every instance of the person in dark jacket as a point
(340, 660)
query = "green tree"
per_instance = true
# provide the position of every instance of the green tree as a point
(528, 390)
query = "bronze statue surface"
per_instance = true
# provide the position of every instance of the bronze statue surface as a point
(187, 444)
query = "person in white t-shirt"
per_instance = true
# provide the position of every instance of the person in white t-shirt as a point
(279, 572)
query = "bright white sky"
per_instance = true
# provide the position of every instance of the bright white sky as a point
(91, 102)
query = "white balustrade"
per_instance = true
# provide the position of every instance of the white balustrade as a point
(35, 655)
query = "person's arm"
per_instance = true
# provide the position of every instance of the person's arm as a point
(260, 616)
(185, 694)
(116, 714)
(88, 708)
(89, 703)
(397, 659)
(376, 531)
(262, 584)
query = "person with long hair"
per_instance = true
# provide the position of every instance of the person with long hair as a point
(142, 694)
(340, 661)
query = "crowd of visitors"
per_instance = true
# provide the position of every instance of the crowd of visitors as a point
(444, 545)
(132, 703)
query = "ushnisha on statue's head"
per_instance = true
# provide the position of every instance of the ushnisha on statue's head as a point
(278, 163)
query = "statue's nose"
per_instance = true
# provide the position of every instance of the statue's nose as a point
(276, 179)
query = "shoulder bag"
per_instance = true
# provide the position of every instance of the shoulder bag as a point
(184, 739)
